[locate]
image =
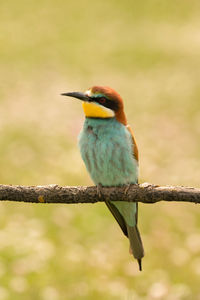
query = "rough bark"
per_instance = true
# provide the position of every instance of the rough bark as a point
(145, 193)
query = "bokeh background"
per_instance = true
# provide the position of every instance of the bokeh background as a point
(149, 51)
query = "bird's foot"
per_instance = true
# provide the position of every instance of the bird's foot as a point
(99, 190)
(127, 189)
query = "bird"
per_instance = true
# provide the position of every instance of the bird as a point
(109, 151)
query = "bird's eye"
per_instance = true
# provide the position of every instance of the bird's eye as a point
(102, 100)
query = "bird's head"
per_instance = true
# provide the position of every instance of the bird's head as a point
(101, 102)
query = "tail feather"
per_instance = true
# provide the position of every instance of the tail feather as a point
(136, 244)
(132, 232)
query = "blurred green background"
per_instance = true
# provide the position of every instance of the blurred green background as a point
(149, 51)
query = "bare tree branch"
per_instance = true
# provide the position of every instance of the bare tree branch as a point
(146, 193)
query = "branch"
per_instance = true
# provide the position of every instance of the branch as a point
(146, 193)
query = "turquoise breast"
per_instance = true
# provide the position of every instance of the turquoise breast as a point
(107, 150)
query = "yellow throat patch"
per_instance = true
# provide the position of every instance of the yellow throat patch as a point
(95, 110)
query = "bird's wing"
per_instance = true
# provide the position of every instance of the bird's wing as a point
(135, 148)
(115, 212)
(136, 155)
(118, 217)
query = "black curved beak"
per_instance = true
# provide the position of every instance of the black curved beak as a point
(78, 95)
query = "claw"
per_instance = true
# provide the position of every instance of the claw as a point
(127, 188)
(99, 190)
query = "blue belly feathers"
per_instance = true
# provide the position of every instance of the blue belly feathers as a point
(107, 150)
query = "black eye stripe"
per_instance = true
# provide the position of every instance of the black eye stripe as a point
(112, 104)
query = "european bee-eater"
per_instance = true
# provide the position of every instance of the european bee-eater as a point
(110, 153)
